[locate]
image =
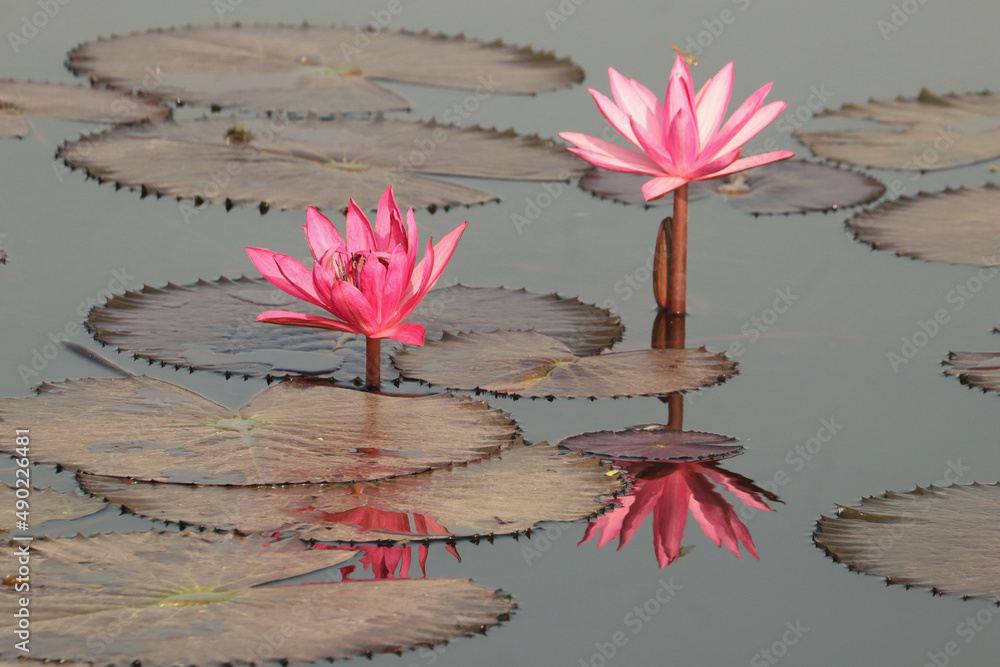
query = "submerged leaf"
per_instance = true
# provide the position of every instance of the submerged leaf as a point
(294, 432)
(292, 164)
(789, 186)
(942, 538)
(979, 369)
(532, 364)
(43, 505)
(187, 599)
(958, 226)
(60, 100)
(509, 492)
(212, 326)
(311, 69)
(936, 133)
(654, 442)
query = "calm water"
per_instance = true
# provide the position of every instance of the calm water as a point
(826, 358)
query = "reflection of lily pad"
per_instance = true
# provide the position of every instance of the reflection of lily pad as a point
(979, 369)
(187, 599)
(942, 538)
(285, 164)
(789, 186)
(937, 132)
(533, 364)
(322, 70)
(654, 443)
(43, 505)
(507, 493)
(294, 432)
(958, 226)
(59, 100)
(212, 326)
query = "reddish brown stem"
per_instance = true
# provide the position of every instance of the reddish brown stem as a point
(677, 262)
(373, 362)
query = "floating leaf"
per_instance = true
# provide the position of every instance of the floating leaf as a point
(926, 133)
(979, 369)
(43, 505)
(294, 432)
(942, 538)
(958, 226)
(789, 186)
(187, 599)
(212, 326)
(309, 69)
(507, 493)
(533, 364)
(654, 442)
(280, 163)
(60, 100)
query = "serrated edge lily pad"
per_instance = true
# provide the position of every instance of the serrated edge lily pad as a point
(977, 369)
(654, 442)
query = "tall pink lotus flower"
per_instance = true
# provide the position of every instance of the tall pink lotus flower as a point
(681, 140)
(668, 491)
(370, 284)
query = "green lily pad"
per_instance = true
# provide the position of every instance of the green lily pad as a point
(43, 505)
(957, 226)
(529, 363)
(978, 369)
(507, 493)
(654, 442)
(789, 186)
(212, 326)
(291, 164)
(922, 134)
(294, 432)
(942, 538)
(189, 599)
(59, 100)
(311, 69)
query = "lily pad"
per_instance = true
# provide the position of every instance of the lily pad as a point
(957, 226)
(532, 364)
(311, 69)
(507, 493)
(294, 432)
(654, 442)
(979, 369)
(43, 505)
(923, 133)
(942, 538)
(188, 599)
(212, 326)
(60, 100)
(789, 186)
(280, 163)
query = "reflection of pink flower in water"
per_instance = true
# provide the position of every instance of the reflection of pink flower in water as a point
(668, 491)
(383, 562)
(367, 517)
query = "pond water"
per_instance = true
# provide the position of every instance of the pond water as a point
(824, 360)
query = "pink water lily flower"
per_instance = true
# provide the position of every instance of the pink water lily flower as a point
(683, 139)
(370, 284)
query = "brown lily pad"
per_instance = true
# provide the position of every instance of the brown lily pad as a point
(507, 493)
(532, 364)
(59, 100)
(654, 442)
(978, 369)
(212, 326)
(921, 134)
(957, 226)
(291, 164)
(312, 69)
(42, 505)
(788, 186)
(293, 432)
(189, 599)
(942, 538)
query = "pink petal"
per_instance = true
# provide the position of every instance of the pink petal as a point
(396, 279)
(321, 233)
(304, 320)
(412, 245)
(611, 156)
(359, 231)
(657, 187)
(656, 150)
(748, 163)
(439, 258)
(761, 119)
(710, 107)
(357, 311)
(383, 219)
(719, 163)
(735, 123)
(740, 487)
(408, 332)
(371, 284)
(668, 526)
(682, 142)
(618, 118)
(286, 273)
(636, 101)
(680, 94)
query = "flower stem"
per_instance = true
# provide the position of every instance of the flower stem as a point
(373, 362)
(677, 262)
